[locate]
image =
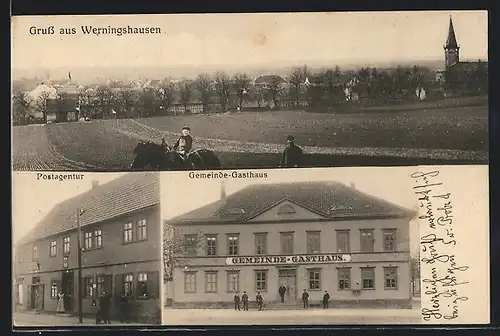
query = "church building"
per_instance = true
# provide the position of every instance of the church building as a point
(306, 236)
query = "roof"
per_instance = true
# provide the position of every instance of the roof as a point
(451, 41)
(123, 195)
(468, 66)
(329, 199)
(268, 79)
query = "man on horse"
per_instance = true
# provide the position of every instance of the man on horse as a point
(184, 144)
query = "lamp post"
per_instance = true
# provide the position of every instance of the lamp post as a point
(79, 212)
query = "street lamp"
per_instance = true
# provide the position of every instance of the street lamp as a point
(79, 212)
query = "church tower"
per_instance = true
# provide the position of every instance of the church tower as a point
(451, 48)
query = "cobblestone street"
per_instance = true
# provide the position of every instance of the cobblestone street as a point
(51, 320)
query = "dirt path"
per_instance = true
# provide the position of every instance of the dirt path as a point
(32, 150)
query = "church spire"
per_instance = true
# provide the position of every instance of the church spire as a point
(451, 41)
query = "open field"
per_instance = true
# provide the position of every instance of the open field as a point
(255, 139)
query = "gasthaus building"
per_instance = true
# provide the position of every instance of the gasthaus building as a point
(120, 238)
(317, 236)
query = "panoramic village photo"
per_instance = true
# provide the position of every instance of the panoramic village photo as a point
(291, 247)
(235, 91)
(86, 249)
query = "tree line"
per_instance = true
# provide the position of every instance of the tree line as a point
(221, 92)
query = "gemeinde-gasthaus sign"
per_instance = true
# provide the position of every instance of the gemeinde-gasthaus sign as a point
(294, 259)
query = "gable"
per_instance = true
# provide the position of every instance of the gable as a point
(286, 210)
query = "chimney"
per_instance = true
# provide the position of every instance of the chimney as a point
(222, 191)
(352, 185)
(95, 184)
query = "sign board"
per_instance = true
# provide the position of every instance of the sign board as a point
(290, 260)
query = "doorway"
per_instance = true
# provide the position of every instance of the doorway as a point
(36, 296)
(68, 289)
(288, 278)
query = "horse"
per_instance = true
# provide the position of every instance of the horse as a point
(151, 156)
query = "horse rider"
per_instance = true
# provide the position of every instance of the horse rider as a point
(292, 155)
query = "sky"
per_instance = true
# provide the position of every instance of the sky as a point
(389, 183)
(33, 198)
(246, 39)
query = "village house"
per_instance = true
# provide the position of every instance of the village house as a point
(120, 239)
(315, 236)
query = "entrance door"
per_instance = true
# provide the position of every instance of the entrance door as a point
(36, 299)
(68, 288)
(288, 278)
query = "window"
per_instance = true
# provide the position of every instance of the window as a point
(93, 239)
(233, 281)
(100, 285)
(389, 240)
(232, 244)
(189, 282)
(261, 280)
(128, 236)
(368, 278)
(367, 240)
(390, 278)
(35, 253)
(313, 242)
(286, 209)
(65, 262)
(53, 248)
(287, 242)
(142, 230)
(53, 290)
(343, 241)
(128, 285)
(89, 286)
(190, 244)
(211, 245)
(261, 243)
(211, 282)
(142, 285)
(88, 241)
(98, 238)
(66, 245)
(344, 276)
(314, 280)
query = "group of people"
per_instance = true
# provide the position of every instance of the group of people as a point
(103, 311)
(292, 156)
(259, 299)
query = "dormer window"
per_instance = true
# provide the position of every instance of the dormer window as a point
(286, 209)
(236, 211)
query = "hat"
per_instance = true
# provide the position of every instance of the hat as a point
(186, 128)
(290, 138)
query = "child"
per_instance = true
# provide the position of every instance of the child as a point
(188, 140)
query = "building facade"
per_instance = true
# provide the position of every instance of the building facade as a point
(306, 236)
(120, 230)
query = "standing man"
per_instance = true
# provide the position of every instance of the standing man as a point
(292, 155)
(104, 307)
(326, 298)
(123, 308)
(236, 301)
(282, 291)
(260, 300)
(305, 299)
(244, 298)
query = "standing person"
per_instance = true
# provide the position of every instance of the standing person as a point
(326, 298)
(260, 300)
(282, 291)
(244, 299)
(305, 299)
(60, 303)
(236, 301)
(123, 308)
(104, 307)
(188, 140)
(292, 155)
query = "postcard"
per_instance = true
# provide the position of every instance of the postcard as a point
(238, 91)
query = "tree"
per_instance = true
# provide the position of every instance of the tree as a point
(177, 247)
(104, 100)
(166, 99)
(204, 87)
(185, 93)
(241, 86)
(148, 100)
(41, 104)
(297, 79)
(222, 88)
(21, 104)
(61, 101)
(86, 98)
(128, 99)
(274, 91)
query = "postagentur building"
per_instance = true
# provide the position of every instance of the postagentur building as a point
(121, 251)
(314, 236)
